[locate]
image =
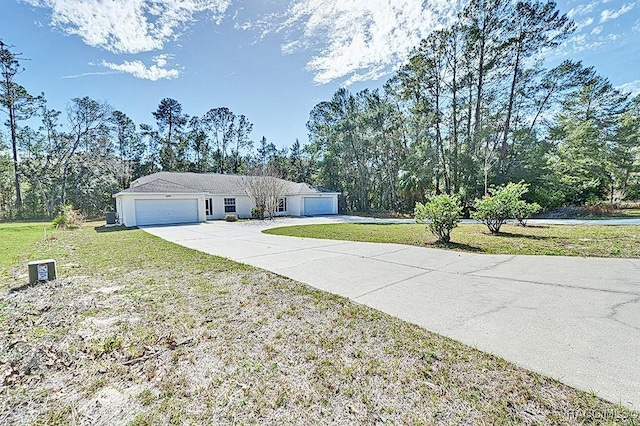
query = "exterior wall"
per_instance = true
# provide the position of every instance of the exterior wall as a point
(294, 205)
(243, 206)
(125, 205)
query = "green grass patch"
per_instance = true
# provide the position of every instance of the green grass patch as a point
(180, 337)
(19, 241)
(557, 240)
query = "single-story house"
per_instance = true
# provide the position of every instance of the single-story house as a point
(173, 197)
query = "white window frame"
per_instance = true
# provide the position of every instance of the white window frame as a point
(282, 205)
(229, 205)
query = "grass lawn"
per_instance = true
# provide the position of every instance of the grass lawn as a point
(139, 331)
(17, 239)
(556, 240)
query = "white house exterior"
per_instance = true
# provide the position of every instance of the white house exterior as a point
(172, 197)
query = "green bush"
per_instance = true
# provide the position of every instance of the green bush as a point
(257, 212)
(524, 211)
(68, 218)
(231, 217)
(503, 203)
(442, 213)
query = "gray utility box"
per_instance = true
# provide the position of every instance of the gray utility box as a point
(111, 218)
(42, 270)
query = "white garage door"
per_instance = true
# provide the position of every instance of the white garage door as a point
(318, 205)
(165, 211)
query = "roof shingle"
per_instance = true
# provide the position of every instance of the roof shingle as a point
(209, 183)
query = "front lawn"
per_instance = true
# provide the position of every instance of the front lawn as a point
(556, 240)
(16, 239)
(140, 331)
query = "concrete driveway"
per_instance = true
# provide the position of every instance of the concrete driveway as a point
(574, 319)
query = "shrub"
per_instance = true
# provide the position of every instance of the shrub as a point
(68, 218)
(503, 203)
(257, 212)
(524, 211)
(443, 213)
(231, 217)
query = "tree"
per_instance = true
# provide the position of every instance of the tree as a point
(87, 120)
(7, 194)
(129, 145)
(585, 133)
(533, 27)
(218, 124)
(501, 204)
(266, 150)
(17, 103)
(442, 213)
(43, 161)
(171, 122)
(265, 188)
(240, 135)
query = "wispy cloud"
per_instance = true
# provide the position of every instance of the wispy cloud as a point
(138, 69)
(356, 40)
(632, 87)
(128, 26)
(582, 9)
(610, 14)
(88, 74)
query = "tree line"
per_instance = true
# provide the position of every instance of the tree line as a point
(82, 156)
(472, 108)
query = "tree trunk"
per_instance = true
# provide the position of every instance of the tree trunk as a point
(14, 148)
(507, 121)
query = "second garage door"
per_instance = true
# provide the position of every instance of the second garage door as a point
(163, 211)
(318, 205)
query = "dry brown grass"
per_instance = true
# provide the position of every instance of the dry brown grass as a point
(145, 332)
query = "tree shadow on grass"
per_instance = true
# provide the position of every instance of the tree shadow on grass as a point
(456, 246)
(529, 237)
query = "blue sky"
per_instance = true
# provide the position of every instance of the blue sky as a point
(271, 60)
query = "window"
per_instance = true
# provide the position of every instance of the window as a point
(208, 206)
(229, 205)
(282, 205)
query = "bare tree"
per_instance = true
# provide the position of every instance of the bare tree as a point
(265, 188)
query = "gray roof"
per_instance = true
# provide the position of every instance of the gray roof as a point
(160, 186)
(209, 183)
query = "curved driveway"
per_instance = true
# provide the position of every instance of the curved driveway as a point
(573, 319)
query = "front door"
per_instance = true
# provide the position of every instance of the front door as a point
(208, 208)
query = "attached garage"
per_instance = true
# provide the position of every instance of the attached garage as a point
(314, 206)
(167, 198)
(166, 211)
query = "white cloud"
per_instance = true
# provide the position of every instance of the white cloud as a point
(87, 74)
(360, 40)
(597, 30)
(585, 23)
(609, 14)
(128, 26)
(632, 87)
(138, 69)
(582, 9)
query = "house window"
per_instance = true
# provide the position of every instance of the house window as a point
(282, 205)
(208, 206)
(229, 205)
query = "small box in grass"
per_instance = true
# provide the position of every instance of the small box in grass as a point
(42, 270)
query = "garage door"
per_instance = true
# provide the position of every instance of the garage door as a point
(162, 212)
(318, 205)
